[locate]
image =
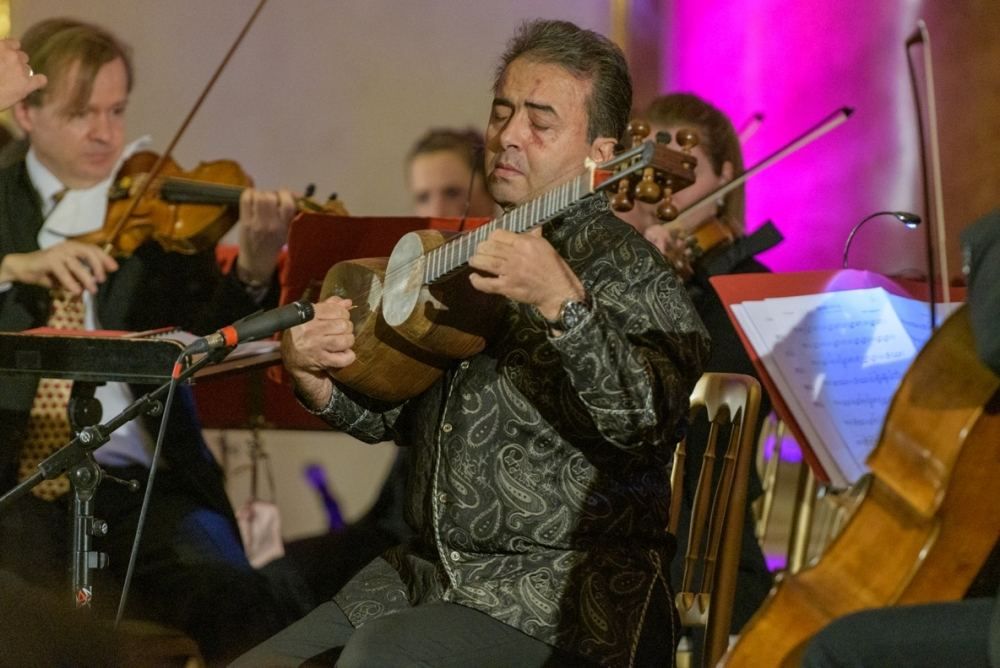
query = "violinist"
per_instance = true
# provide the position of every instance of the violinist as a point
(192, 572)
(720, 160)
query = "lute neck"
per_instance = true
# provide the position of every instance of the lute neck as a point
(448, 257)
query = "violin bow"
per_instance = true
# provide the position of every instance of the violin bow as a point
(922, 36)
(750, 127)
(824, 126)
(161, 161)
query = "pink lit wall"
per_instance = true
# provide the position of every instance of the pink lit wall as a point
(796, 62)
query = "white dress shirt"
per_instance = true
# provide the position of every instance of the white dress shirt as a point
(73, 213)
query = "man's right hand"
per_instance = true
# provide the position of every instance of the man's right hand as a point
(313, 348)
(16, 78)
(71, 265)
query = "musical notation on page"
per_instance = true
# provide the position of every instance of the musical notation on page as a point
(837, 358)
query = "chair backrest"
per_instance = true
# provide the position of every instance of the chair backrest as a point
(730, 403)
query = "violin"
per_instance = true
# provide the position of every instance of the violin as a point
(170, 213)
(688, 247)
(184, 212)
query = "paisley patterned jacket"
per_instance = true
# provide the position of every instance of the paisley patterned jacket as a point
(539, 473)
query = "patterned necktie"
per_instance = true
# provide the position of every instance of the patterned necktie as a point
(48, 425)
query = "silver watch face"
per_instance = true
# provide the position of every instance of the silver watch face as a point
(573, 314)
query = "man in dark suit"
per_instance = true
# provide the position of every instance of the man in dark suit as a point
(192, 572)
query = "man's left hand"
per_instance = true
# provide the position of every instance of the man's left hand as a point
(264, 219)
(527, 269)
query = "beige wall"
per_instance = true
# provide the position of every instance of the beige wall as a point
(321, 91)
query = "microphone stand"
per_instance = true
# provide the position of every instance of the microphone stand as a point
(85, 474)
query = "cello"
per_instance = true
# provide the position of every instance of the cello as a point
(926, 519)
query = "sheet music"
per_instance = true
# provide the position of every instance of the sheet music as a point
(837, 359)
(916, 318)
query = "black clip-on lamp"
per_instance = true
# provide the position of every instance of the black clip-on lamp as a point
(911, 220)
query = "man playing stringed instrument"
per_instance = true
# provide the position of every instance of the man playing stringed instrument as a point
(538, 487)
(191, 572)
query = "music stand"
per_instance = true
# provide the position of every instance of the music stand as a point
(736, 288)
(76, 362)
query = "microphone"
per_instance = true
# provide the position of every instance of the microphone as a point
(257, 326)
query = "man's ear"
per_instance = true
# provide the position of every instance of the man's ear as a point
(23, 117)
(602, 149)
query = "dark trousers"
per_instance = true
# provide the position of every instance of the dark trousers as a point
(940, 634)
(191, 574)
(444, 635)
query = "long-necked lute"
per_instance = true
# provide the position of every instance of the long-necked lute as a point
(416, 312)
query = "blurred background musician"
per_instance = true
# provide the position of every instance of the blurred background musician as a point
(192, 572)
(444, 175)
(719, 161)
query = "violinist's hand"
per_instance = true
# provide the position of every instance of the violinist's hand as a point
(264, 219)
(71, 265)
(673, 248)
(525, 268)
(311, 349)
(16, 78)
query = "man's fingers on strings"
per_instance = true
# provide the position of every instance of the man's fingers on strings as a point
(488, 263)
(85, 278)
(96, 264)
(503, 236)
(342, 359)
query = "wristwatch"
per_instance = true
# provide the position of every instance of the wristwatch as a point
(571, 313)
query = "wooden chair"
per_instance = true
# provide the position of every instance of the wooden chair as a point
(730, 403)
